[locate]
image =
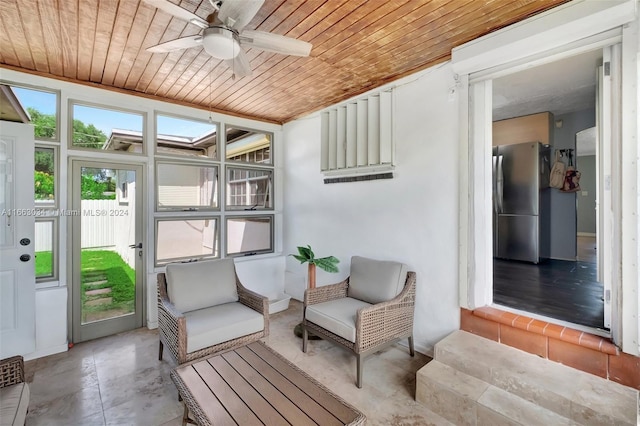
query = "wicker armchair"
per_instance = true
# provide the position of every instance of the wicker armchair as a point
(14, 391)
(208, 323)
(341, 316)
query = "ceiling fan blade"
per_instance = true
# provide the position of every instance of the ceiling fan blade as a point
(177, 44)
(178, 12)
(238, 13)
(275, 43)
(239, 65)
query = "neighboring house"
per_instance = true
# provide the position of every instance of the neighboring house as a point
(434, 214)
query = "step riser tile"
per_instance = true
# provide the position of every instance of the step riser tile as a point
(488, 417)
(594, 405)
(531, 387)
(519, 410)
(454, 407)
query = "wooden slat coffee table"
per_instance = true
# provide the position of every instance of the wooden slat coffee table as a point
(254, 385)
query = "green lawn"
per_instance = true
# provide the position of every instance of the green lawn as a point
(44, 264)
(106, 265)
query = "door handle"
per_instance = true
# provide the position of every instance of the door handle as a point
(25, 258)
(494, 184)
(136, 246)
(500, 185)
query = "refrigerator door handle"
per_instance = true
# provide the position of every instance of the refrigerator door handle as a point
(494, 184)
(500, 185)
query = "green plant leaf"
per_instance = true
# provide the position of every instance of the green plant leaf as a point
(300, 259)
(328, 264)
(311, 253)
(305, 252)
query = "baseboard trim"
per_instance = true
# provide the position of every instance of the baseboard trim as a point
(152, 325)
(46, 352)
(586, 234)
(424, 350)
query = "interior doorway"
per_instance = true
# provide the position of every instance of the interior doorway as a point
(563, 284)
(107, 250)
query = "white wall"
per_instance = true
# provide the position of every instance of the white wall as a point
(411, 218)
(564, 216)
(51, 320)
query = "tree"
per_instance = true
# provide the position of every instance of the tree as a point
(43, 186)
(45, 124)
(92, 188)
(87, 136)
(84, 135)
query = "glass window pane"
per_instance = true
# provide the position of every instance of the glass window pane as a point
(183, 187)
(44, 239)
(42, 108)
(107, 129)
(186, 239)
(45, 177)
(249, 188)
(181, 136)
(249, 146)
(249, 235)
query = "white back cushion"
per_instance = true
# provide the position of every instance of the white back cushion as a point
(374, 281)
(202, 284)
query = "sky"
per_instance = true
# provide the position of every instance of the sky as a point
(107, 119)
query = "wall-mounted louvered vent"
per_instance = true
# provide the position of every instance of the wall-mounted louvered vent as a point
(357, 137)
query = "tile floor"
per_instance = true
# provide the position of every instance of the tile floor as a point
(118, 380)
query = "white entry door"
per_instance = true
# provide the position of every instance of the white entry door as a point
(17, 228)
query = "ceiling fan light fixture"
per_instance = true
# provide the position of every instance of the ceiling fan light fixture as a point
(220, 43)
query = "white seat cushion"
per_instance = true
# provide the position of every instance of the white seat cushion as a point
(14, 401)
(197, 285)
(376, 281)
(210, 326)
(338, 316)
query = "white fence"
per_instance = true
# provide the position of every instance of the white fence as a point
(99, 222)
(106, 224)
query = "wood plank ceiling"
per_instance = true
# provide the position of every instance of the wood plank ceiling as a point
(357, 45)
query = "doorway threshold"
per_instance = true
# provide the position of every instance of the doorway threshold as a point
(583, 328)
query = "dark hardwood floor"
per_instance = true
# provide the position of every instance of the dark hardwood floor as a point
(564, 290)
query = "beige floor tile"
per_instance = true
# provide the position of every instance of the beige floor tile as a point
(118, 380)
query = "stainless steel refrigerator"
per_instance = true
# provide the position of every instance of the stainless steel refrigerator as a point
(521, 201)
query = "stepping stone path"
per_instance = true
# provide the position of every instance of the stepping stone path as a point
(98, 296)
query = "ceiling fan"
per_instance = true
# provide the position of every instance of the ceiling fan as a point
(223, 35)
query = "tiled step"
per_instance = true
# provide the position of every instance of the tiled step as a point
(466, 400)
(99, 302)
(98, 291)
(95, 283)
(571, 393)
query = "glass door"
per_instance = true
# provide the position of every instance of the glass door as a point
(107, 249)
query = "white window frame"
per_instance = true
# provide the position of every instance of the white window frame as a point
(51, 280)
(247, 184)
(157, 153)
(217, 239)
(223, 211)
(248, 217)
(50, 212)
(269, 163)
(108, 107)
(56, 137)
(191, 208)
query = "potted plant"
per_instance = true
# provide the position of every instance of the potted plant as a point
(328, 264)
(306, 255)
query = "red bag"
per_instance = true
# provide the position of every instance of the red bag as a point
(571, 180)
